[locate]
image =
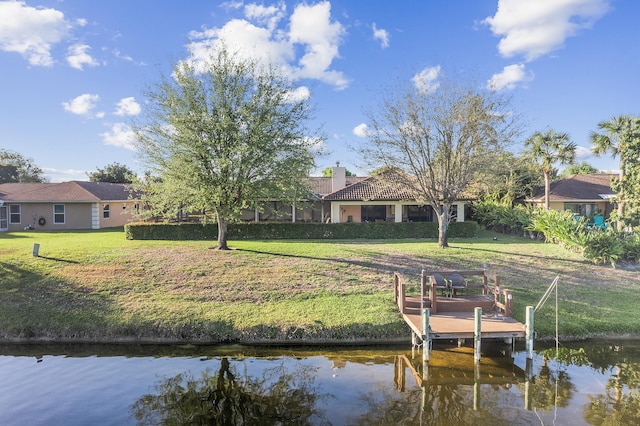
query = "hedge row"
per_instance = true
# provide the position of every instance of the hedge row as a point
(296, 231)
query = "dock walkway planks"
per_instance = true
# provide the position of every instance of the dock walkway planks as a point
(460, 325)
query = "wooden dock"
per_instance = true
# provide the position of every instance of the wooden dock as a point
(475, 310)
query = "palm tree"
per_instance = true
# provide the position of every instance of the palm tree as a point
(547, 149)
(612, 141)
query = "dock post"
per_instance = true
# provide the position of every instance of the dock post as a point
(528, 327)
(426, 336)
(477, 334)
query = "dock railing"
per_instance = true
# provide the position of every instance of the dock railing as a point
(399, 290)
(489, 286)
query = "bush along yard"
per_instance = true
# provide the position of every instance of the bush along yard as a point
(98, 286)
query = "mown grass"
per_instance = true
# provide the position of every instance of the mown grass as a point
(98, 286)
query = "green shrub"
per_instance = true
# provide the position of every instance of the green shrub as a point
(293, 231)
(560, 227)
(631, 244)
(500, 217)
(603, 246)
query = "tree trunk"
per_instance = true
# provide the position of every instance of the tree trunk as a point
(547, 189)
(621, 195)
(222, 233)
(443, 225)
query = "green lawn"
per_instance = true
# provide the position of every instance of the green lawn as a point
(98, 286)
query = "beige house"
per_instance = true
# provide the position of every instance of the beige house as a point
(585, 195)
(382, 198)
(66, 205)
(342, 198)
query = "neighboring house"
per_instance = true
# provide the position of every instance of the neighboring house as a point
(66, 205)
(585, 195)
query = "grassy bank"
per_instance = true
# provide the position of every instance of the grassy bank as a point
(98, 286)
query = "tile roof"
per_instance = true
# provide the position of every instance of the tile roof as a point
(385, 186)
(73, 191)
(586, 187)
(321, 185)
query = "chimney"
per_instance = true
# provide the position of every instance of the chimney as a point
(338, 178)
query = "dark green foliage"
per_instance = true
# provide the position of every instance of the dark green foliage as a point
(17, 168)
(561, 227)
(8, 173)
(113, 173)
(582, 168)
(297, 231)
(502, 217)
(631, 243)
(603, 246)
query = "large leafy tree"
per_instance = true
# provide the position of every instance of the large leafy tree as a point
(222, 135)
(620, 137)
(547, 149)
(509, 179)
(439, 138)
(113, 173)
(581, 168)
(14, 167)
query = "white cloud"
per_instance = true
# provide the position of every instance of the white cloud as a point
(120, 135)
(361, 130)
(266, 15)
(300, 94)
(128, 106)
(427, 80)
(78, 57)
(582, 152)
(264, 36)
(82, 105)
(382, 35)
(244, 38)
(535, 28)
(229, 5)
(64, 175)
(32, 32)
(509, 78)
(311, 26)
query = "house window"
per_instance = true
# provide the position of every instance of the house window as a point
(105, 211)
(587, 210)
(58, 213)
(14, 213)
(419, 214)
(374, 213)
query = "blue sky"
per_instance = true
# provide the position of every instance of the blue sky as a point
(73, 71)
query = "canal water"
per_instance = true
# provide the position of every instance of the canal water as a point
(588, 383)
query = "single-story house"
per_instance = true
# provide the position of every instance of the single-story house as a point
(585, 195)
(342, 198)
(66, 205)
(311, 208)
(383, 198)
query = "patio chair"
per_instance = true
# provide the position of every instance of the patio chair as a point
(441, 284)
(598, 222)
(457, 283)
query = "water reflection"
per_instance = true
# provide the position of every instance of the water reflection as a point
(231, 397)
(596, 383)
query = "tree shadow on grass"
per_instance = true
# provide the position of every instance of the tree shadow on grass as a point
(57, 259)
(520, 254)
(382, 262)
